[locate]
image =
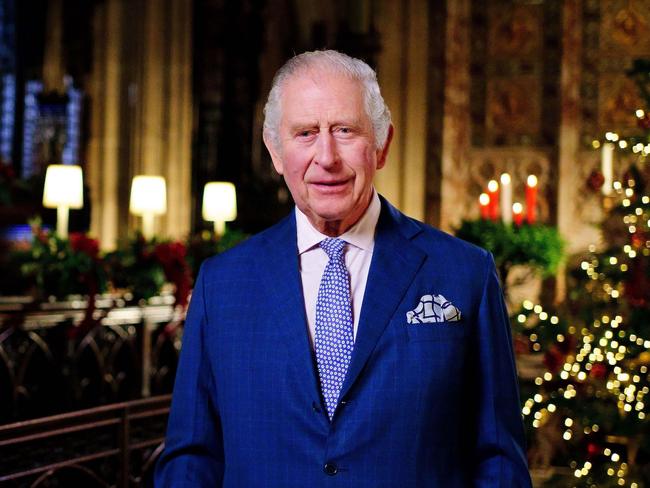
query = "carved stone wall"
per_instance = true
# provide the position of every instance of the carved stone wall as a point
(527, 87)
(614, 33)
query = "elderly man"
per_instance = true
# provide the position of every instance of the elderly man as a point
(348, 345)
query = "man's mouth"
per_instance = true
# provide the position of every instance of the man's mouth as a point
(330, 183)
(330, 186)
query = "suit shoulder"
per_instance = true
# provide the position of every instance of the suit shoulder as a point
(435, 241)
(438, 245)
(245, 254)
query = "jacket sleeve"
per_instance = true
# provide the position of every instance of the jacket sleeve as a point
(193, 454)
(499, 447)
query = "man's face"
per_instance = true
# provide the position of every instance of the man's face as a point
(327, 152)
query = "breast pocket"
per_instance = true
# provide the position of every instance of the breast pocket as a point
(437, 331)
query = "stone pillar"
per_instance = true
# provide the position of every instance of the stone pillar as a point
(162, 132)
(141, 102)
(455, 142)
(402, 71)
(53, 63)
(105, 93)
(178, 157)
(569, 177)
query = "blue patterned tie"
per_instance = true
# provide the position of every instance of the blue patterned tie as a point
(334, 334)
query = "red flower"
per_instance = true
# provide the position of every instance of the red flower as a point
(171, 256)
(82, 243)
(170, 252)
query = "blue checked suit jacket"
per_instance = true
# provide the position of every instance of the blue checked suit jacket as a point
(423, 405)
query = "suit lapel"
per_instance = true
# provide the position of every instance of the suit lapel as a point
(287, 306)
(395, 262)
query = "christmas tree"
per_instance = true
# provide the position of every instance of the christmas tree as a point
(588, 406)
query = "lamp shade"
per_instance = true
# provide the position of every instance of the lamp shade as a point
(148, 195)
(63, 186)
(219, 202)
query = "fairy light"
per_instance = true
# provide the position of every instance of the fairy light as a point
(603, 342)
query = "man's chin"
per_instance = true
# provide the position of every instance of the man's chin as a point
(332, 213)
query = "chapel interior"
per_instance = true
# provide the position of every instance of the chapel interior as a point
(522, 126)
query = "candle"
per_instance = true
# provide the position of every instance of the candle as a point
(493, 194)
(518, 213)
(531, 199)
(606, 165)
(506, 199)
(484, 204)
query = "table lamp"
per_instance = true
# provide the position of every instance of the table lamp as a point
(148, 199)
(63, 190)
(219, 204)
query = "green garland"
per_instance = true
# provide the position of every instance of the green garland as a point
(60, 267)
(538, 246)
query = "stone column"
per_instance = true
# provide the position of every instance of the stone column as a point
(402, 71)
(452, 183)
(105, 93)
(569, 131)
(141, 103)
(178, 157)
(162, 132)
(53, 63)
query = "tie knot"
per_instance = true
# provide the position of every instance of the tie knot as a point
(333, 247)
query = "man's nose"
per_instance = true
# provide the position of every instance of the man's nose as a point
(326, 154)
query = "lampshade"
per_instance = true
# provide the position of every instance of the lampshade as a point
(63, 186)
(148, 195)
(219, 202)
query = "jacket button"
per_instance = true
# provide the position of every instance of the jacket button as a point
(330, 469)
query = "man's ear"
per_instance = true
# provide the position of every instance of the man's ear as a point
(273, 151)
(383, 152)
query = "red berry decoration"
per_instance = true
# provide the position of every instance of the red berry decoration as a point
(598, 371)
(644, 122)
(594, 450)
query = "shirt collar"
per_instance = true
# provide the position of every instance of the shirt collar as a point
(361, 234)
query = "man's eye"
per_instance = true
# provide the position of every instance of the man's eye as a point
(304, 133)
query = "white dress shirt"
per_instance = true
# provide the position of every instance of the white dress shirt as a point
(358, 254)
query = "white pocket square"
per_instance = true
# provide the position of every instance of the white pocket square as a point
(433, 308)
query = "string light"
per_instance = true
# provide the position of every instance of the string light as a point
(604, 342)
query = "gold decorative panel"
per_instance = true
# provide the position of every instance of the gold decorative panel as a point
(514, 73)
(514, 32)
(625, 27)
(513, 109)
(615, 33)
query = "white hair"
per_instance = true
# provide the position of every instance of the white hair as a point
(338, 63)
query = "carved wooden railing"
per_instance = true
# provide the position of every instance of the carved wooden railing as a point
(53, 359)
(109, 446)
